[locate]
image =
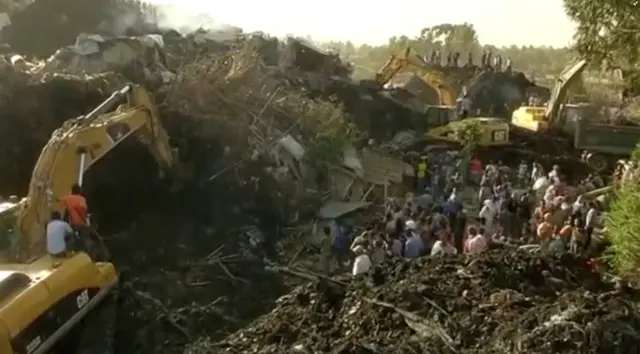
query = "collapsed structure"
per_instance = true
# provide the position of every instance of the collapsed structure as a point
(249, 133)
(267, 133)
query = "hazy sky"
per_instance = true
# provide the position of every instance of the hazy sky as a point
(499, 22)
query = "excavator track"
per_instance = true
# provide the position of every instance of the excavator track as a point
(98, 328)
(95, 334)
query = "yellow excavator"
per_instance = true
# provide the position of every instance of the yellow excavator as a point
(42, 298)
(409, 61)
(544, 118)
(484, 132)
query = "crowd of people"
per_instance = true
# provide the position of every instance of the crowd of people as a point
(496, 206)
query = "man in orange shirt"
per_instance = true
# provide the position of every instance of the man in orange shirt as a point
(77, 214)
(545, 231)
(76, 210)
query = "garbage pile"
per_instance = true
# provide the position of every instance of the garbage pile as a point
(258, 153)
(501, 302)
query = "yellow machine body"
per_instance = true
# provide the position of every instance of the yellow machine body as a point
(42, 298)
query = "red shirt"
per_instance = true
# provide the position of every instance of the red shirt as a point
(76, 206)
(476, 165)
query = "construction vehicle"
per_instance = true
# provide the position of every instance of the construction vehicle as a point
(543, 119)
(409, 61)
(484, 132)
(43, 298)
(601, 145)
(570, 126)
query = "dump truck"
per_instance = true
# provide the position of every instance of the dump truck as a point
(601, 145)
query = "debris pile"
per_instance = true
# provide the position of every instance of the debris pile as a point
(501, 302)
(33, 106)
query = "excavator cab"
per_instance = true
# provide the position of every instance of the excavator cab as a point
(531, 118)
(43, 297)
(437, 116)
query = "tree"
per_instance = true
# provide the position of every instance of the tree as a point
(623, 226)
(609, 33)
(543, 62)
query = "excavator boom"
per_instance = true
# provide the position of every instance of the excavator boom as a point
(561, 88)
(78, 145)
(408, 60)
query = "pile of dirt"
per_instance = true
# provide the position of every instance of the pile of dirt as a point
(500, 302)
(494, 92)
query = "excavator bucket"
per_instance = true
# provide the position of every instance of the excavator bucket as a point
(559, 92)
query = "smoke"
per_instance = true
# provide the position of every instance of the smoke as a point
(181, 19)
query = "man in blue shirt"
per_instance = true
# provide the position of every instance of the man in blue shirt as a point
(414, 247)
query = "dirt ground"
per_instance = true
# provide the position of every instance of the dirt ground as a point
(501, 302)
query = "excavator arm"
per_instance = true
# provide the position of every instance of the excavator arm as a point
(559, 93)
(77, 146)
(410, 60)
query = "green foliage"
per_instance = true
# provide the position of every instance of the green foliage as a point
(332, 133)
(469, 133)
(608, 34)
(536, 62)
(623, 225)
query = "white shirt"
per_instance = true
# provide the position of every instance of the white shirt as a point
(362, 264)
(57, 230)
(465, 104)
(488, 211)
(477, 244)
(540, 183)
(591, 218)
(440, 247)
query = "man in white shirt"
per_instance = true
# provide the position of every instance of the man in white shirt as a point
(591, 221)
(488, 214)
(58, 232)
(464, 106)
(362, 263)
(443, 247)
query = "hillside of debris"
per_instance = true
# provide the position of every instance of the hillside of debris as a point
(256, 144)
(500, 302)
(267, 132)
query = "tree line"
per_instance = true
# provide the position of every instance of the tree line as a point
(535, 62)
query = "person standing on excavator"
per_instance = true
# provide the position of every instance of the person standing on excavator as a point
(77, 212)
(75, 205)
(464, 105)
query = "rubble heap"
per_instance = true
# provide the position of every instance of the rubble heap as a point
(494, 91)
(500, 302)
(237, 126)
(33, 106)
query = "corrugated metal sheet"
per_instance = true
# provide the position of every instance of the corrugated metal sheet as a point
(380, 169)
(334, 209)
